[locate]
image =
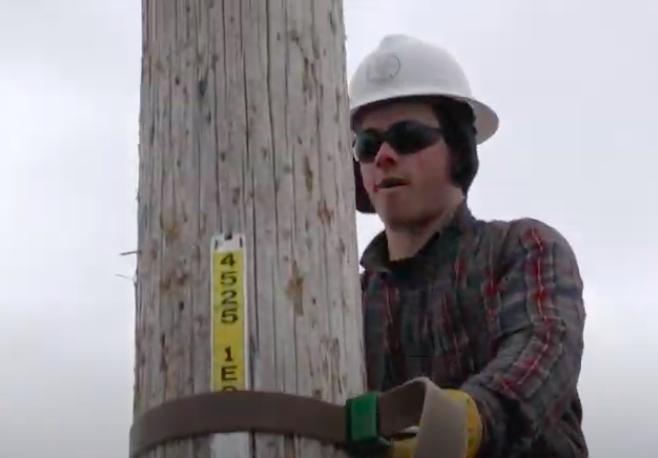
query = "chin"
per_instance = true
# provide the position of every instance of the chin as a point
(401, 217)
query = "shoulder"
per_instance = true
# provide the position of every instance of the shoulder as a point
(527, 241)
(364, 278)
(525, 232)
(529, 230)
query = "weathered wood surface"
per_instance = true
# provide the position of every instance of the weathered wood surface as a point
(243, 129)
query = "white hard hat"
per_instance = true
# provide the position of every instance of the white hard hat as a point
(403, 66)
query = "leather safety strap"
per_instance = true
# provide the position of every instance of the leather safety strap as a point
(441, 421)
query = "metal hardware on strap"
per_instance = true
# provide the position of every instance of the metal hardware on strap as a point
(363, 432)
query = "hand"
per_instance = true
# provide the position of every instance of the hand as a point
(405, 448)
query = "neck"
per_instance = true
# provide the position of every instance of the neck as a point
(405, 241)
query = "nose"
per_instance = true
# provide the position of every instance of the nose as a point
(386, 156)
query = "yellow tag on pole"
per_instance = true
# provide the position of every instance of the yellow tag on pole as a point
(229, 314)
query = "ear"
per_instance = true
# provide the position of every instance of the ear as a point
(363, 203)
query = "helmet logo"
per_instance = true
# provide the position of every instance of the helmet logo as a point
(383, 68)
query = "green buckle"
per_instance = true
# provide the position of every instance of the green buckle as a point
(363, 436)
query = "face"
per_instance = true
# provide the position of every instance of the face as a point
(406, 189)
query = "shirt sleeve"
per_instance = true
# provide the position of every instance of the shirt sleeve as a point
(539, 344)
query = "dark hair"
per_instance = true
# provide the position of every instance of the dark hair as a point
(458, 122)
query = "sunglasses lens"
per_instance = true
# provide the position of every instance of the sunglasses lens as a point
(405, 137)
(410, 137)
(366, 146)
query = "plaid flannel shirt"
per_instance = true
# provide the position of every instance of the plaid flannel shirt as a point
(494, 309)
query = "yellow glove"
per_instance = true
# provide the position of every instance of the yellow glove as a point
(405, 448)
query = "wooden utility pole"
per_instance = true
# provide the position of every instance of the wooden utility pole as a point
(244, 133)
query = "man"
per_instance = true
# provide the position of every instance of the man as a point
(491, 312)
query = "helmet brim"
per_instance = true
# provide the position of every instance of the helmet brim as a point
(486, 119)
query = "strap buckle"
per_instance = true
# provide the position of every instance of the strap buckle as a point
(363, 435)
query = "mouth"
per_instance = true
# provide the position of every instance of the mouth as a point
(391, 183)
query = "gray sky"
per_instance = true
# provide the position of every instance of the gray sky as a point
(574, 83)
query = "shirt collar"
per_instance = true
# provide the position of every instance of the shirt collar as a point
(375, 257)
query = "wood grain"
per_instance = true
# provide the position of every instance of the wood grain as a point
(243, 129)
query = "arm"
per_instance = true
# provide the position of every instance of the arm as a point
(527, 385)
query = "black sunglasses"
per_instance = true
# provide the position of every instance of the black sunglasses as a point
(405, 137)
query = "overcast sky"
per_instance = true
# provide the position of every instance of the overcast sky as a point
(575, 85)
